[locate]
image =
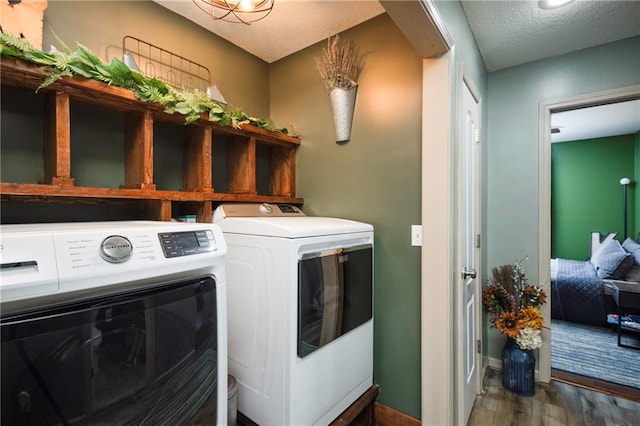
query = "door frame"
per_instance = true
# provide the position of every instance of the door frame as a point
(544, 202)
(437, 255)
(440, 389)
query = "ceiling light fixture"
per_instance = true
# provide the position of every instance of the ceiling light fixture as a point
(553, 4)
(236, 11)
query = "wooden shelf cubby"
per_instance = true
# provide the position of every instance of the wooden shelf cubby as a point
(177, 186)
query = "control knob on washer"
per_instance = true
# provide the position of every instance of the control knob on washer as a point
(116, 249)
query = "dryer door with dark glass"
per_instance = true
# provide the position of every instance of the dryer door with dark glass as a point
(335, 295)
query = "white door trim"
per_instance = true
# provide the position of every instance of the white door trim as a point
(544, 201)
(437, 278)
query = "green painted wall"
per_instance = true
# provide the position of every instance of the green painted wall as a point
(373, 178)
(586, 192)
(514, 98)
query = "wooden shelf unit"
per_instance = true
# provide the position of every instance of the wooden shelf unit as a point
(139, 117)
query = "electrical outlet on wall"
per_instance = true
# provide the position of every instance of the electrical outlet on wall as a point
(416, 235)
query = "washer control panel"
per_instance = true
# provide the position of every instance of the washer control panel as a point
(175, 244)
(50, 260)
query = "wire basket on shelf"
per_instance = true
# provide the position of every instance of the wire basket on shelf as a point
(172, 69)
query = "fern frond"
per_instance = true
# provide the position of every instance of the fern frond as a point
(14, 42)
(54, 76)
(151, 93)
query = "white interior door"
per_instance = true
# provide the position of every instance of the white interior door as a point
(469, 250)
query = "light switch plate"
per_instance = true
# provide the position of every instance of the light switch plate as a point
(416, 235)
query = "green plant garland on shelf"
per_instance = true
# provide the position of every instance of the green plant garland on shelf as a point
(83, 62)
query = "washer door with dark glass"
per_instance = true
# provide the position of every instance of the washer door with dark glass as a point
(148, 357)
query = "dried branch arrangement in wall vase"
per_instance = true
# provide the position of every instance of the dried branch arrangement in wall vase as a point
(339, 67)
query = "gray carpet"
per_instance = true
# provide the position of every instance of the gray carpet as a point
(594, 352)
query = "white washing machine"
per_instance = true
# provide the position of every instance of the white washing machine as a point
(300, 312)
(113, 323)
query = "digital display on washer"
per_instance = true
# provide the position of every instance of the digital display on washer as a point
(175, 244)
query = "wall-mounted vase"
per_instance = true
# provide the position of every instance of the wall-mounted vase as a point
(343, 103)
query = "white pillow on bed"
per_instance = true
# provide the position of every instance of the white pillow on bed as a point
(633, 248)
(612, 261)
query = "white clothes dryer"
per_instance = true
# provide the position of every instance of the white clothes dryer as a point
(300, 312)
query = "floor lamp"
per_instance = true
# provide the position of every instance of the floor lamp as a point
(625, 183)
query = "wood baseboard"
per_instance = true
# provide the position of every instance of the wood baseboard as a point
(387, 416)
(596, 385)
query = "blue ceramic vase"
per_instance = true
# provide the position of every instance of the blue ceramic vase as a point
(518, 368)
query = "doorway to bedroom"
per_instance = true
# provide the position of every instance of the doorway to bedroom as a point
(594, 148)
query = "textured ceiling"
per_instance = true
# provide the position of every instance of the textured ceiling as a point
(510, 33)
(291, 26)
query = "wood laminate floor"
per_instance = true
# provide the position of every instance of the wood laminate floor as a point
(555, 403)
